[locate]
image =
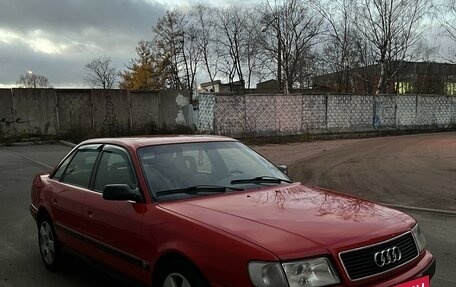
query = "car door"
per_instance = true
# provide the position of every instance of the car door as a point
(114, 228)
(70, 186)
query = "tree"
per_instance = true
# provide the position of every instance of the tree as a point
(32, 80)
(295, 29)
(167, 45)
(143, 72)
(393, 27)
(232, 28)
(176, 44)
(340, 51)
(208, 40)
(447, 17)
(101, 74)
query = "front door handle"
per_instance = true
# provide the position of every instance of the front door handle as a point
(90, 213)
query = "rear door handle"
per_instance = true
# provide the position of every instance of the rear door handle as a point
(90, 213)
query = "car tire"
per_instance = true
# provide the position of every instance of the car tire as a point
(180, 273)
(48, 245)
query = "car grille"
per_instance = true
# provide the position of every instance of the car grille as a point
(359, 263)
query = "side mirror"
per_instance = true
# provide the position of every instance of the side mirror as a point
(283, 168)
(121, 192)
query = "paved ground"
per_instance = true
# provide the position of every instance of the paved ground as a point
(396, 170)
(413, 170)
(417, 170)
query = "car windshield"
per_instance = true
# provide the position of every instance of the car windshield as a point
(176, 171)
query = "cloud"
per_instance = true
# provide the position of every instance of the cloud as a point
(57, 38)
(70, 15)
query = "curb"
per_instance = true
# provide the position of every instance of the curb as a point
(70, 144)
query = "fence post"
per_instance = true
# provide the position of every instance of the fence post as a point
(245, 114)
(374, 111)
(395, 110)
(326, 110)
(214, 109)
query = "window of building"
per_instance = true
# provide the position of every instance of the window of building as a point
(403, 87)
(450, 88)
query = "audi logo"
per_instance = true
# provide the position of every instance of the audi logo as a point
(387, 256)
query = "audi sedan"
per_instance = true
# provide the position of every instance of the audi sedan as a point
(198, 211)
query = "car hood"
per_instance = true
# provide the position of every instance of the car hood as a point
(293, 220)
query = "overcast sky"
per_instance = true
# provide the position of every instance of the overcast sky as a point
(56, 38)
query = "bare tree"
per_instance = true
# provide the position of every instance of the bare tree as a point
(32, 80)
(447, 17)
(191, 52)
(207, 41)
(295, 27)
(232, 28)
(101, 74)
(393, 27)
(341, 48)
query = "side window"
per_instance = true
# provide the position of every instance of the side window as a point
(114, 168)
(59, 172)
(80, 168)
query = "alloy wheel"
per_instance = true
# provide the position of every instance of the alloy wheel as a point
(176, 280)
(47, 245)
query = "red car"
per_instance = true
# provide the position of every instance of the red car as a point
(208, 211)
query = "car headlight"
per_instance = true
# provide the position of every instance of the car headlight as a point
(267, 274)
(419, 238)
(310, 273)
(306, 273)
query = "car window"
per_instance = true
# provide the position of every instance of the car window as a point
(114, 168)
(80, 168)
(185, 165)
(197, 160)
(61, 169)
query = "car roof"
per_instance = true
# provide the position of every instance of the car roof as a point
(140, 141)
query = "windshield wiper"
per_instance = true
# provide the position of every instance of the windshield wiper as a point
(261, 179)
(198, 188)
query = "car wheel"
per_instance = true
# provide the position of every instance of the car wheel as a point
(47, 240)
(179, 273)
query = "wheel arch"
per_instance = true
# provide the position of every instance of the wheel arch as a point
(42, 213)
(170, 256)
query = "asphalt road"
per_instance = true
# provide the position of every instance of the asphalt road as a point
(412, 170)
(20, 263)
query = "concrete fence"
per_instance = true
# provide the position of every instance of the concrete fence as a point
(98, 112)
(122, 112)
(254, 115)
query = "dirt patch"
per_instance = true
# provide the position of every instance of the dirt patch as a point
(416, 170)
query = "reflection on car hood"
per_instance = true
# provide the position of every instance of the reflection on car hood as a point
(295, 220)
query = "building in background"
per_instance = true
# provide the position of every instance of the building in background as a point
(219, 87)
(408, 78)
